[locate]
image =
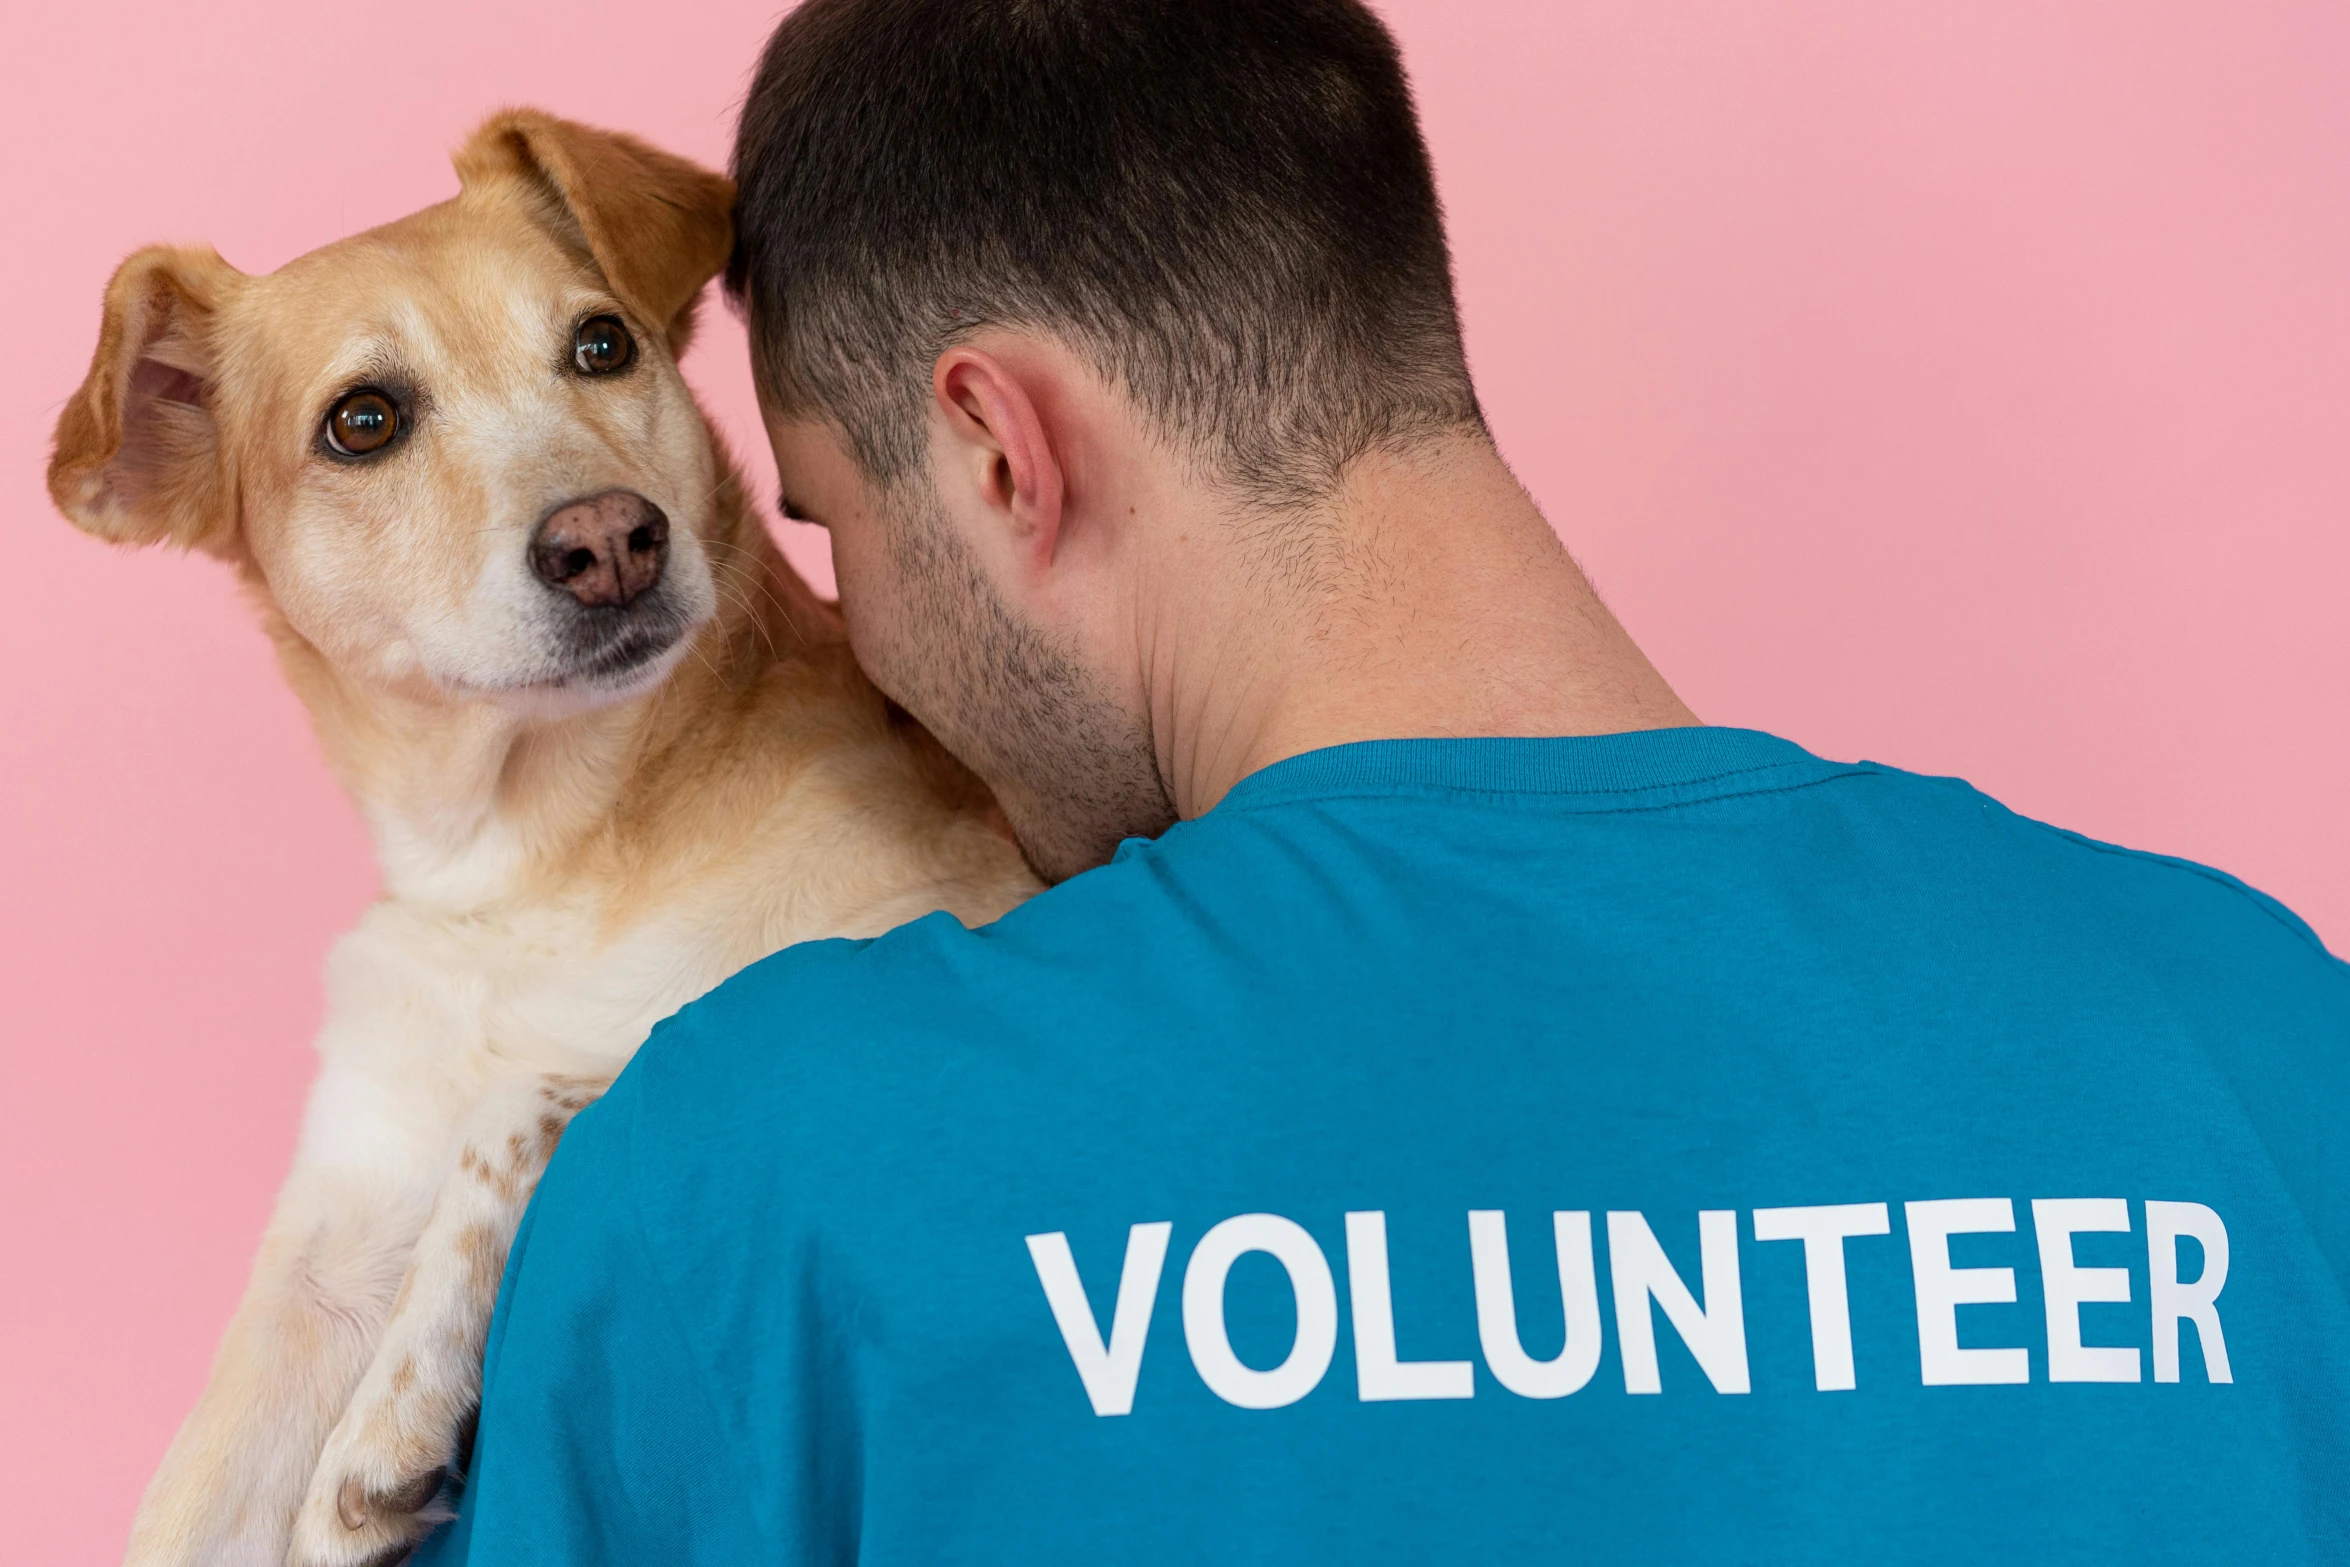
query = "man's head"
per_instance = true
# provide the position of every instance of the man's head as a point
(1000, 256)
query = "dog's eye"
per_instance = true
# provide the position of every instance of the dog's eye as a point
(602, 345)
(362, 424)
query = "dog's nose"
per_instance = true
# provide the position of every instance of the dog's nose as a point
(604, 550)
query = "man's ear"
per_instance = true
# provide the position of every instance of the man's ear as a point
(1001, 441)
(657, 226)
(138, 456)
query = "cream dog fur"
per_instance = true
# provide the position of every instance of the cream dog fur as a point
(610, 749)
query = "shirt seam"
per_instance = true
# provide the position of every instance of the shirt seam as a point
(1445, 791)
(1673, 783)
(2218, 878)
(2309, 937)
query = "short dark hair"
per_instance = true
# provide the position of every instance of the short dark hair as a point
(1226, 205)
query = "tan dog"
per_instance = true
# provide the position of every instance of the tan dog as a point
(611, 749)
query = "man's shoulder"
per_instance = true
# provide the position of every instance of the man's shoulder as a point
(929, 971)
(2161, 897)
(1162, 914)
(825, 1033)
(835, 1041)
(2202, 890)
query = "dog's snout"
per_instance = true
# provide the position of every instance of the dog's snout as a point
(605, 550)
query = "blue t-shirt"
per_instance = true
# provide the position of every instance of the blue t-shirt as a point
(1651, 1147)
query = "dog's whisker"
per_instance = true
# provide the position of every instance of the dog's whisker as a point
(759, 582)
(739, 595)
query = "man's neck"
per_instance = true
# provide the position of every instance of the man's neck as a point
(1427, 598)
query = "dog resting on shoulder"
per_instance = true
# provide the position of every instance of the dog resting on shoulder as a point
(610, 749)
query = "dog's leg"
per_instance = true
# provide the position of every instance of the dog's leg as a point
(367, 1501)
(320, 1290)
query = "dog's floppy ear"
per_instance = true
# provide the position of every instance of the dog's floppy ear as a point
(138, 456)
(658, 226)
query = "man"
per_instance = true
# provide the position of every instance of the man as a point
(1454, 1107)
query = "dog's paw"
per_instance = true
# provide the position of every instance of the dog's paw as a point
(357, 1523)
(371, 1497)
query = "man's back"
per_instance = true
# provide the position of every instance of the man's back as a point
(1643, 1146)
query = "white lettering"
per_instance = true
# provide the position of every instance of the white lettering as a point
(1378, 1374)
(1823, 1232)
(1108, 1373)
(1942, 1289)
(2065, 1286)
(1711, 1323)
(1714, 1332)
(2198, 1302)
(1497, 1307)
(1203, 1311)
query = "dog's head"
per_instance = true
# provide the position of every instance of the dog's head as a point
(456, 450)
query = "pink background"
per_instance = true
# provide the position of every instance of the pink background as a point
(1964, 385)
